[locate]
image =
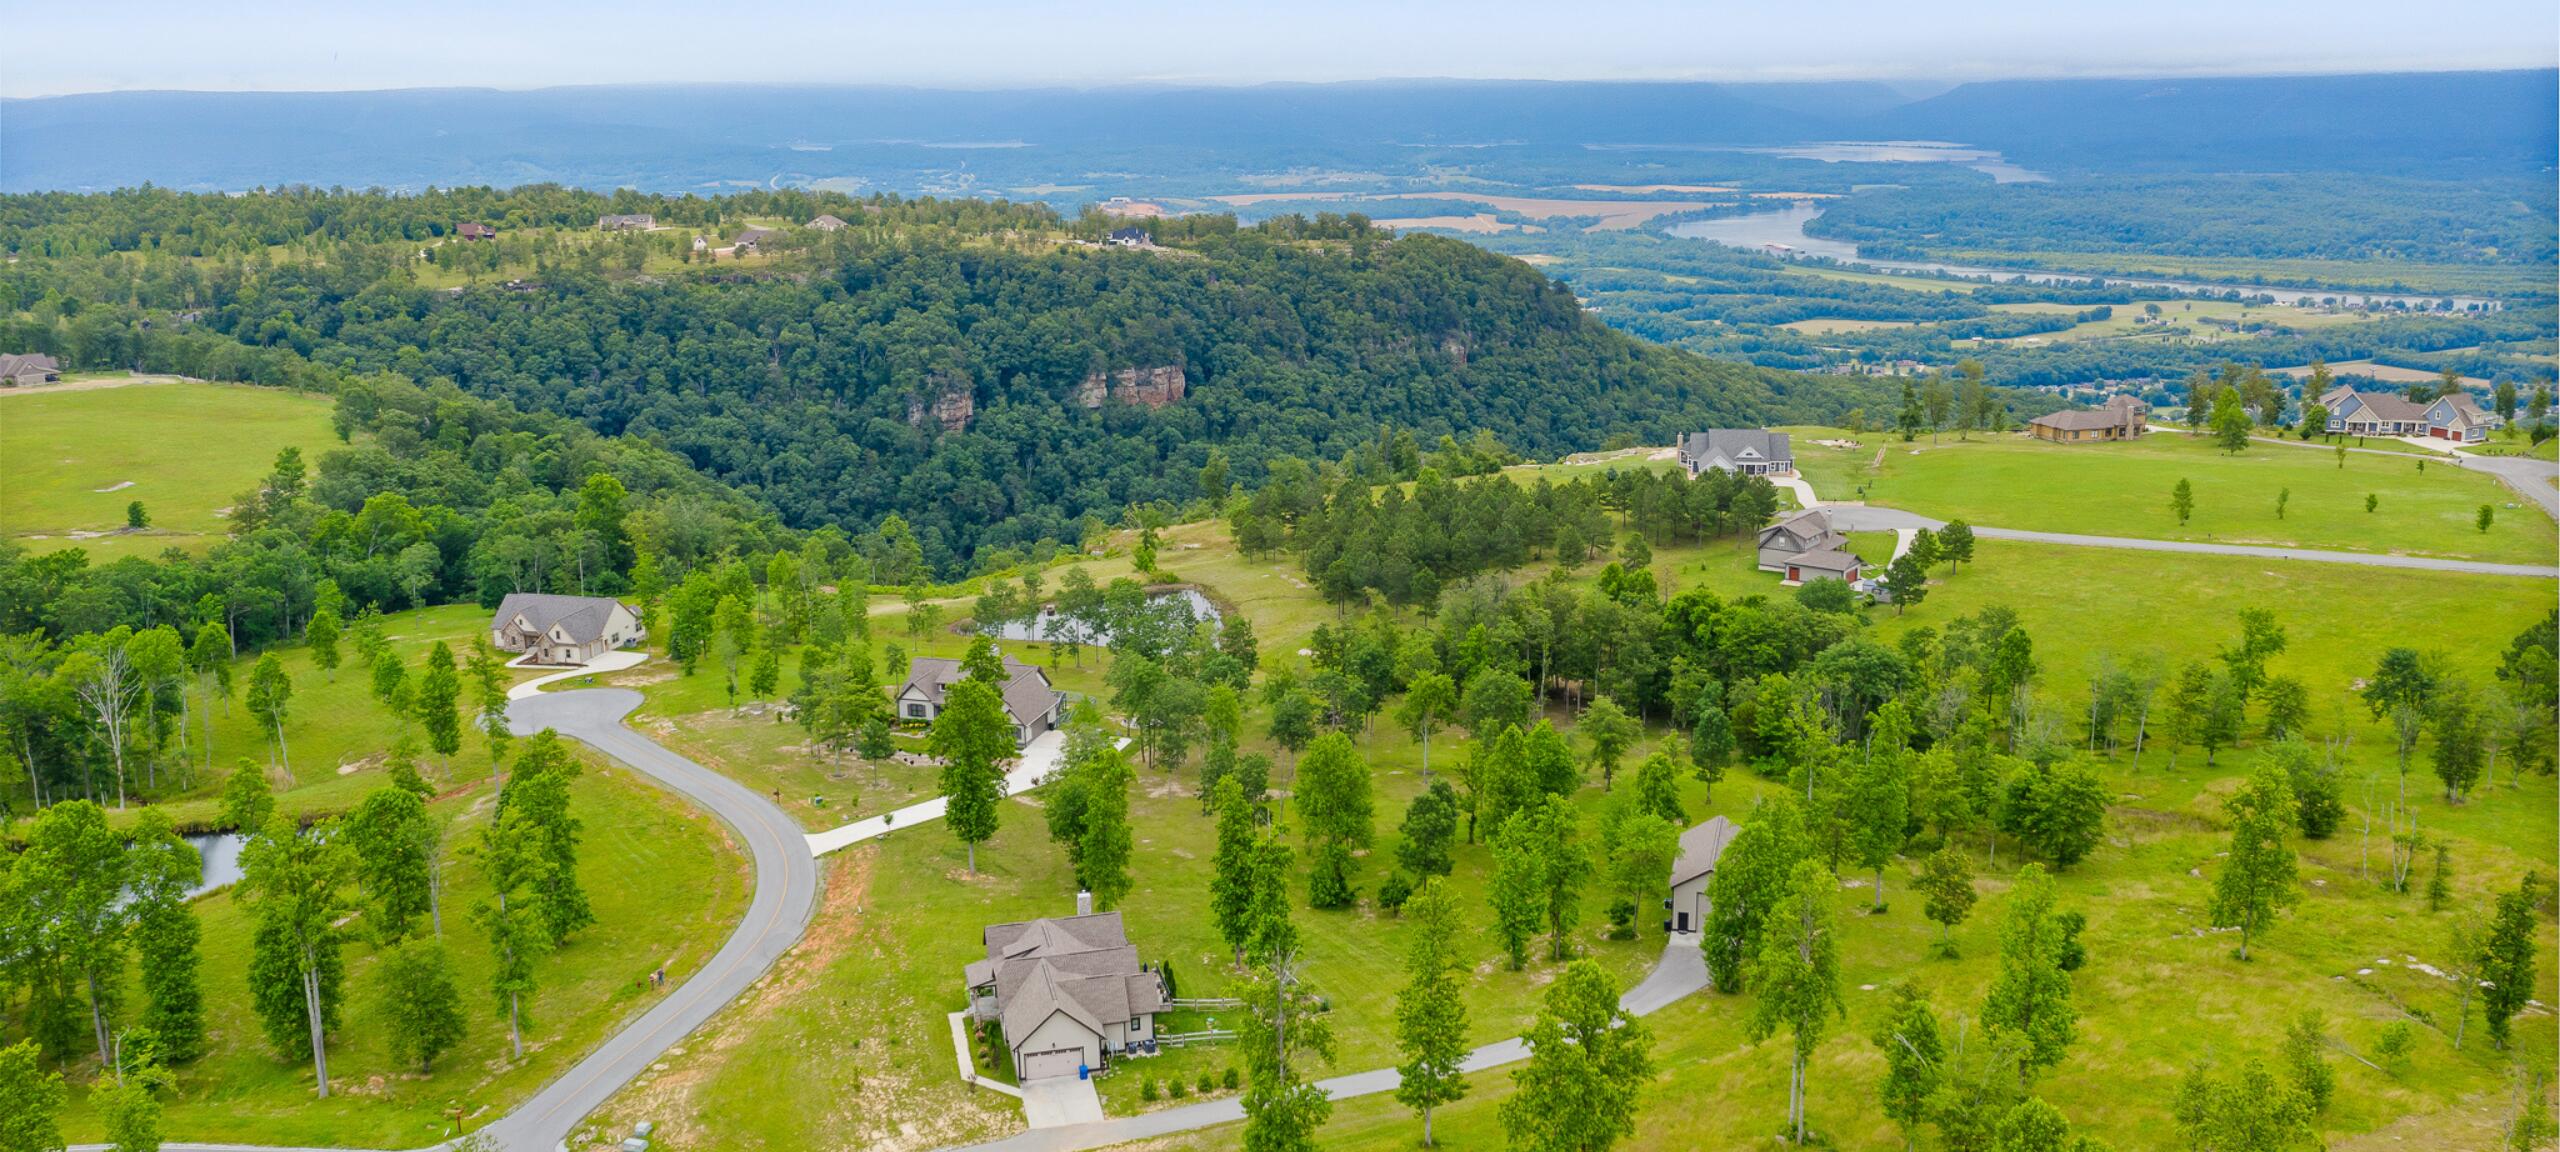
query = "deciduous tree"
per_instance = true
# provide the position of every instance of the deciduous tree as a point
(1798, 974)
(2258, 872)
(1588, 1060)
(1431, 1011)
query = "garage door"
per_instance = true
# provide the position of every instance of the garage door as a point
(1056, 1062)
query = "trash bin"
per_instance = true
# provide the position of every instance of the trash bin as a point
(1084, 1072)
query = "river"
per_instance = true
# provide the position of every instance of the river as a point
(1781, 232)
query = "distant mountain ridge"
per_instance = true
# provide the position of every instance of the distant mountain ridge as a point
(695, 137)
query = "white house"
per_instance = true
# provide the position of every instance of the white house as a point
(1700, 848)
(563, 629)
(1069, 993)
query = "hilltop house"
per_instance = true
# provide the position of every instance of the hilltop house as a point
(1749, 451)
(633, 222)
(1029, 701)
(2357, 413)
(1069, 993)
(749, 241)
(2459, 418)
(2121, 418)
(1131, 238)
(475, 230)
(24, 368)
(563, 629)
(1700, 848)
(828, 223)
(1805, 547)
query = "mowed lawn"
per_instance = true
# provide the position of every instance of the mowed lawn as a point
(848, 1046)
(2013, 481)
(185, 449)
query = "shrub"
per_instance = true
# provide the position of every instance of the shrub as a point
(1176, 1088)
(1147, 1090)
(1393, 893)
(1208, 1083)
(1232, 1080)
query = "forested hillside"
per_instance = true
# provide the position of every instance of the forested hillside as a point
(987, 371)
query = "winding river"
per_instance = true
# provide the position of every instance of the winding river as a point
(1781, 232)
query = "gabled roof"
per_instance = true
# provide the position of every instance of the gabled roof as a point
(1083, 966)
(27, 363)
(827, 223)
(1730, 446)
(583, 618)
(1027, 693)
(1826, 560)
(1700, 848)
(2391, 407)
(1811, 523)
(2079, 420)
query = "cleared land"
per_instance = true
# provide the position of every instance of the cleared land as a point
(184, 449)
(2014, 481)
(1613, 215)
(849, 1046)
(664, 878)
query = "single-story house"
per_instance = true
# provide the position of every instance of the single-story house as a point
(475, 230)
(1805, 547)
(1700, 848)
(1131, 237)
(828, 223)
(563, 629)
(23, 368)
(1029, 700)
(631, 222)
(749, 241)
(1069, 993)
(2121, 418)
(1749, 451)
(2459, 418)
(2374, 413)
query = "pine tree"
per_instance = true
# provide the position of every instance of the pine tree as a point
(2182, 501)
(536, 801)
(1798, 974)
(2258, 873)
(1431, 1011)
(1588, 1061)
(437, 701)
(519, 931)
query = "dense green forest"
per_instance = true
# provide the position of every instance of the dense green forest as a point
(958, 363)
(2316, 215)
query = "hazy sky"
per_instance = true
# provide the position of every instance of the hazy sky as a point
(349, 44)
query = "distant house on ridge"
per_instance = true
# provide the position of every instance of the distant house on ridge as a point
(633, 222)
(1749, 451)
(475, 230)
(828, 223)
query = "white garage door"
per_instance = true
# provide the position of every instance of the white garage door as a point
(1056, 1062)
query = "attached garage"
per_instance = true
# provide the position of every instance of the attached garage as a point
(1055, 1062)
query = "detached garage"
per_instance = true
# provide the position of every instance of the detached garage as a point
(1700, 848)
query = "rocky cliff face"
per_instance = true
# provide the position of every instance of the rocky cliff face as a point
(952, 403)
(1154, 387)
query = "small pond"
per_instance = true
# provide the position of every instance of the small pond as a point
(1170, 603)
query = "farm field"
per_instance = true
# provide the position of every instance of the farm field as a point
(87, 453)
(2243, 272)
(2130, 319)
(2160, 991)
(2013, 481)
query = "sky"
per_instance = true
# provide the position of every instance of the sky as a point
(300, 45)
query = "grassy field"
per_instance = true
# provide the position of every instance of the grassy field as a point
(665, 880)
(2129, 319)
(2399, 276)
(848, 1045)
(78, 457)
(2123, 490)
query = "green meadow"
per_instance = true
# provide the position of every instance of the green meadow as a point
(185, 449)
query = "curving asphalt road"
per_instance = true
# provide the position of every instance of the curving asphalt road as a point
(786, 895)
(1869, 518)
(1681, 971)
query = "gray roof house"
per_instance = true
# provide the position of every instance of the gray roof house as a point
(2358, 413)
(2121, 418)
(19, 369)
(1700, 848)
(1029, 700)
(1069, 992)
(1805, 547)
(828, 223)
(2459, 418)
(627, 222)
(563, 629)
(749, 241)
(1749, 451)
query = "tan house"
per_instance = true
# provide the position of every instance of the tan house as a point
(563, 629)
(1805, 547)
(627, 222)
(1029, 701)
(2121, 418)
(1700, 848)
(1069, 993)
(828, 223)
(21, 369)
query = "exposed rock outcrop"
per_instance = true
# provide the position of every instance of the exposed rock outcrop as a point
(952, 403)
(1154, 387)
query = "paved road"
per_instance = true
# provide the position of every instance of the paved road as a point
(1869, 518)
(2530, 478)
(786, 895)
(1681, 972)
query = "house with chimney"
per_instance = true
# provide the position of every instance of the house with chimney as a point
(1805, 547)
(2121, 418)
(1069, 993)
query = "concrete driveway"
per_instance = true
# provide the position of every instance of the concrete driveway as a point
(1058, 1101)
